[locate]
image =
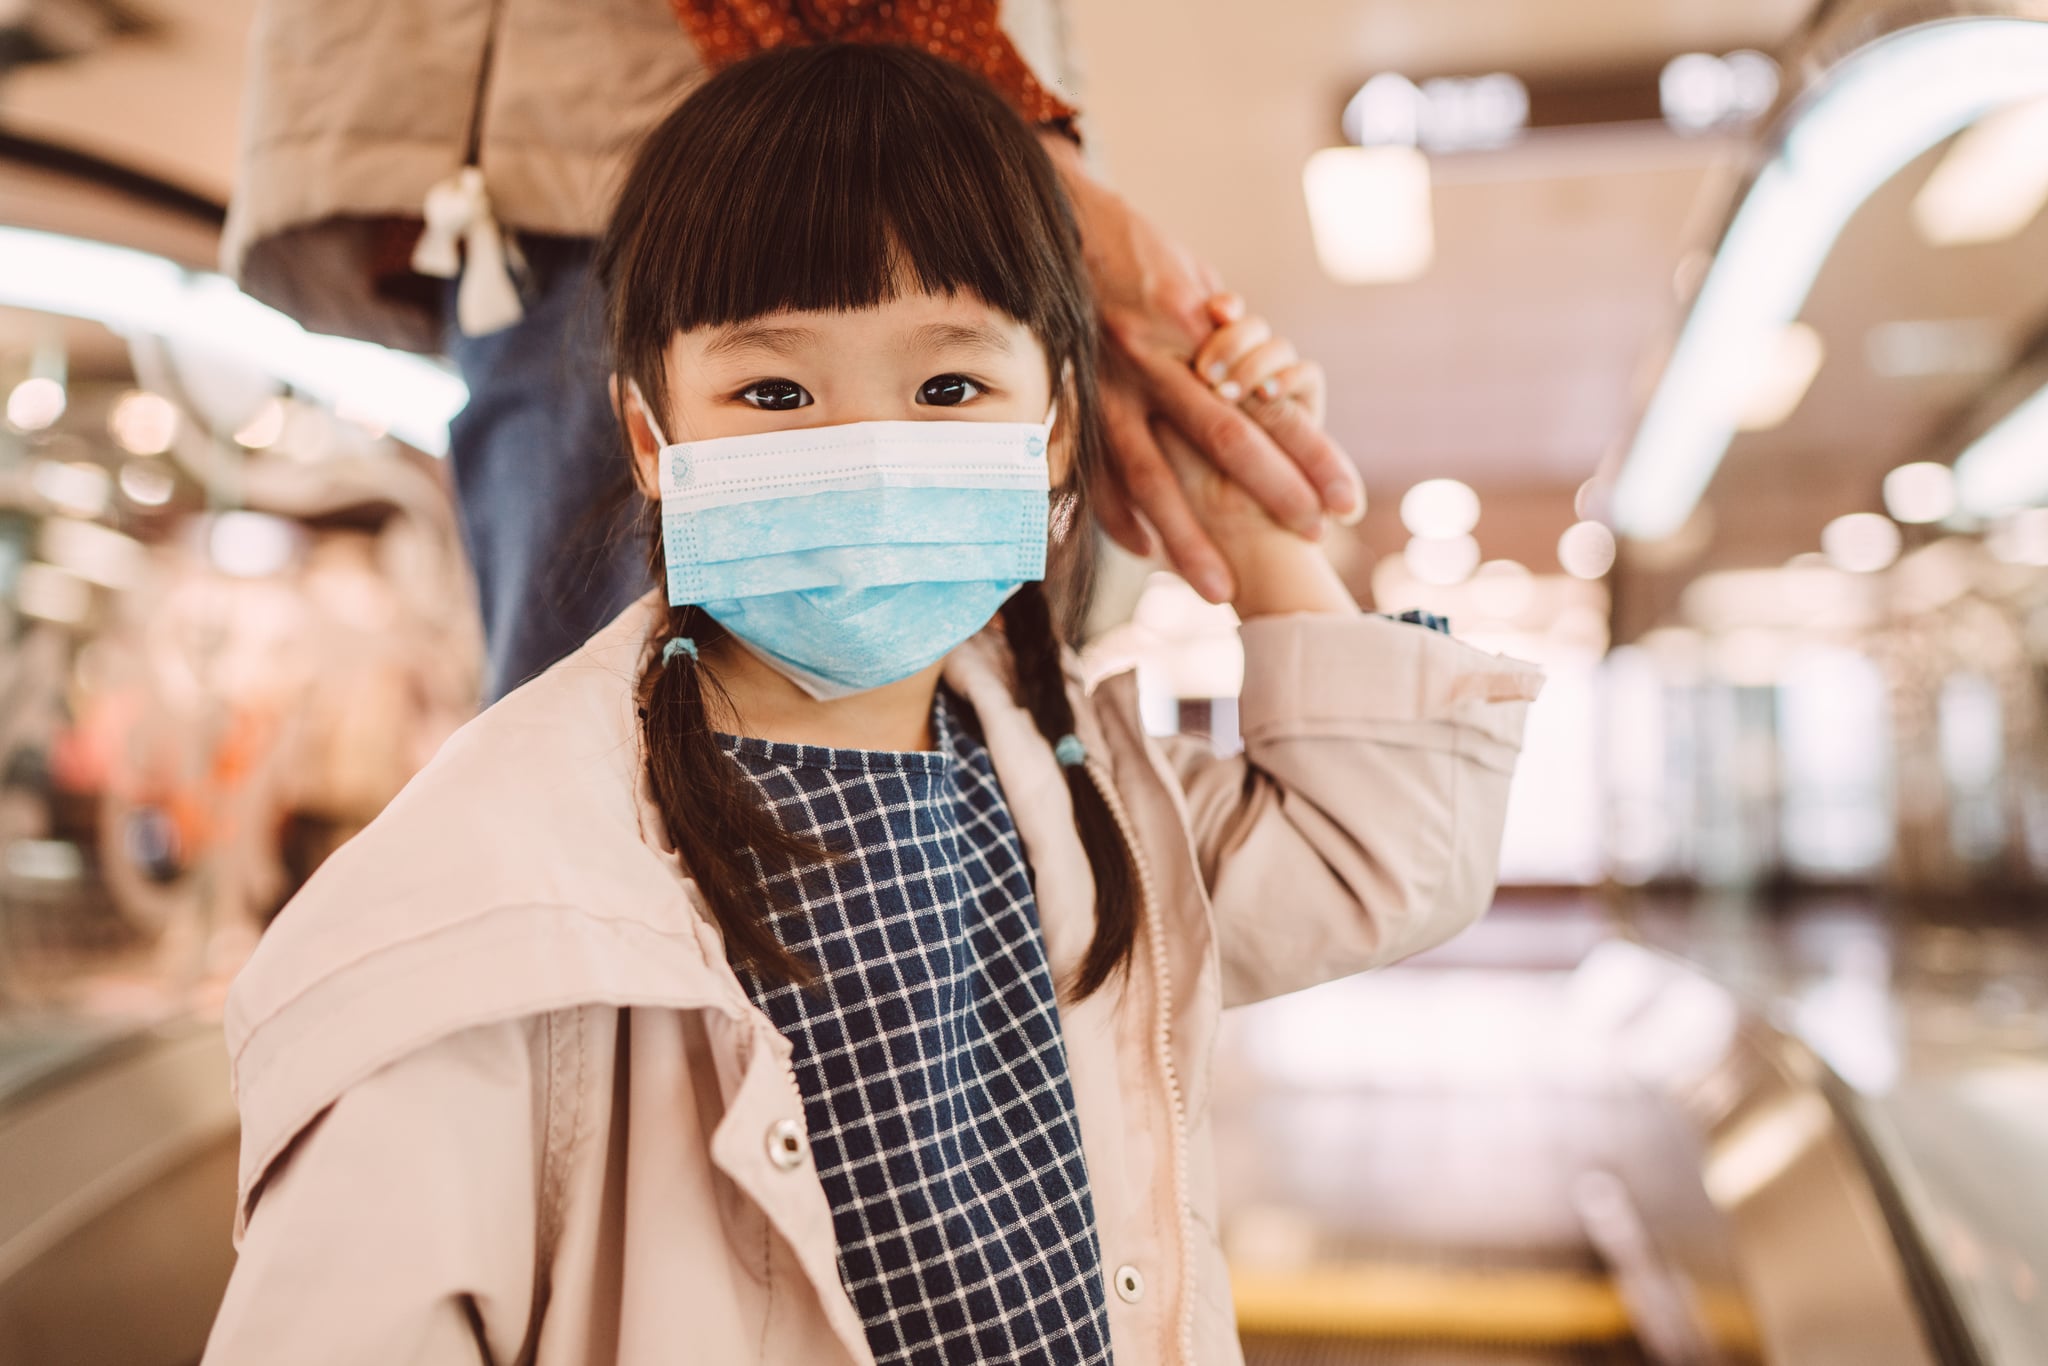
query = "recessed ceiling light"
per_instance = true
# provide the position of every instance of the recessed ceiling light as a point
(1369, 210)
(35, 403)
(1440, 508)
(1914, 348)
(263, 430)
(1920, 492)
(143, 423)
(1860, 542)
(251, 545)
(1586, 550)
(146, 483)
(1441, 560)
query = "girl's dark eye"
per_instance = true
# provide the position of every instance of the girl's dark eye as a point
(947, 391)
(776, 395)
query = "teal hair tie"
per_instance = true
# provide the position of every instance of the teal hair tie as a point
(1070, 751)
(681, 645)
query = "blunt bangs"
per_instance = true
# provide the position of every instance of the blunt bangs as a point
(836, 178)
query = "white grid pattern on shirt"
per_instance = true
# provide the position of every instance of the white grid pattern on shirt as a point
(929, 1056)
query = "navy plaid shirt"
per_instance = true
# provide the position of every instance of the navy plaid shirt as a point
(929, 1055)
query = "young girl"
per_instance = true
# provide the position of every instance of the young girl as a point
(809, 970)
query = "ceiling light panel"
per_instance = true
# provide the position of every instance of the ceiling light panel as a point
(1369, 210)
(1991, 183)
(1878, 111)
(137, 294)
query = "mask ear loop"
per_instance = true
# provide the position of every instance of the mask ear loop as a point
(1052, 412)
(647, 411)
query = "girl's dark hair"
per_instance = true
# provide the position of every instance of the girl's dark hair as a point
(835, 178)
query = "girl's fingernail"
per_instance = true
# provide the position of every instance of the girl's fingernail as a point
(1213, 584)
(1269, 388)
(1216, 371)
(1230, 391)
(1341, 497)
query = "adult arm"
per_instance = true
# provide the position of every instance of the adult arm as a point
(1154, 296)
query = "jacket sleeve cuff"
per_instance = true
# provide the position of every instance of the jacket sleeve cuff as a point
(1368, 676)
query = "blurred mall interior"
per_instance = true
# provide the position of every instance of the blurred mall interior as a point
(1696, 349)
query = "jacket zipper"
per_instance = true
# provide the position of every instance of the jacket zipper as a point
(1162, 1043)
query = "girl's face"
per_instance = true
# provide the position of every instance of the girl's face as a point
(918, 357)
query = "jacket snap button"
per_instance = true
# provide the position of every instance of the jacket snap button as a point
(786, 1144)
(1130, 1286)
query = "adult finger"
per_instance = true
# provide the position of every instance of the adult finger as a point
(1237, 445)
(1154, 490)
(1225, 347)
(1295, 424)
(1109, 500)
(1310, 456)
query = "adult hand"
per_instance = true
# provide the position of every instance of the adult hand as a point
(1155, 300)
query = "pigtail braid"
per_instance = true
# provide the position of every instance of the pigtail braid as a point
(1042, 687)
(711, 810)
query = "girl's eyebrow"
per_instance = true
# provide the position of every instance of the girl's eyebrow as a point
(737, 338)
(960, 337)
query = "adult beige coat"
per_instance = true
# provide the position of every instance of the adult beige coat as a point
(356, 108)
(504, 1101)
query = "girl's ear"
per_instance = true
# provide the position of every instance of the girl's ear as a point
(640, 434)
(1061, 447)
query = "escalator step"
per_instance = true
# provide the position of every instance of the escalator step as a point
(1383, 1301)
(1269, 1350)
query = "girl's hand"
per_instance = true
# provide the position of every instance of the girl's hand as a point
(1274, 569)
(1245, 363)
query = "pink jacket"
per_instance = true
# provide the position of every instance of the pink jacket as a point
(503, 1100)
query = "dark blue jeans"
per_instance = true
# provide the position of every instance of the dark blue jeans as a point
(555, 529)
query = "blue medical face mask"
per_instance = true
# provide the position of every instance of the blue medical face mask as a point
(850, 556)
